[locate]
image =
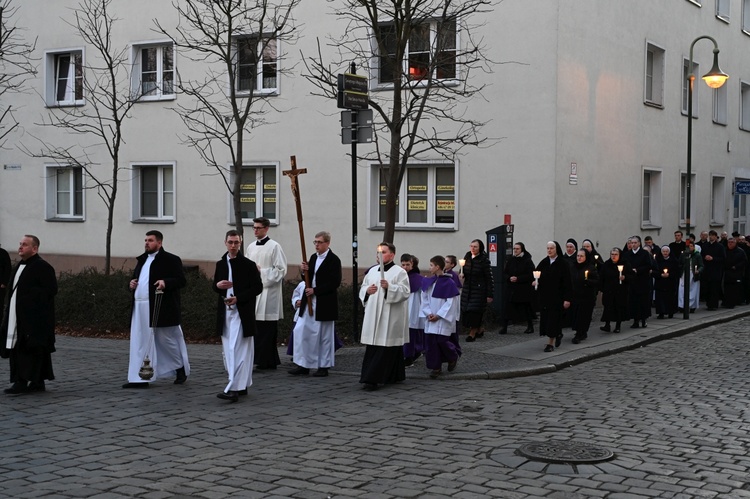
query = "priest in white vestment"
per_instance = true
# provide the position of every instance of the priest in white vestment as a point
(385, 293)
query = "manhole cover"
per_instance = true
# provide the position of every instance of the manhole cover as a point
(556, 451)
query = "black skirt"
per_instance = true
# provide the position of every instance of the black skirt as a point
(383, 365)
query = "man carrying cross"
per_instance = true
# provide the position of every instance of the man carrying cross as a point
(155, 330)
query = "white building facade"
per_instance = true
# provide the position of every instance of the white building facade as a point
(588, 98)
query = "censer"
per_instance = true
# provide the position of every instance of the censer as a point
(146, 372)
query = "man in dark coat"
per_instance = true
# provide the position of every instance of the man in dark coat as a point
(314, 339)
(677, 246)
(155, 331)
(5, 267)
(640, 288)
(237, 281)
(27, 335)
(713, 255)
(734, 274)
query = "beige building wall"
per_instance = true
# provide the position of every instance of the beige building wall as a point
(568, 88)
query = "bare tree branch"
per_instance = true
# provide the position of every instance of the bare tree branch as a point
(221, 113)
(421, 105)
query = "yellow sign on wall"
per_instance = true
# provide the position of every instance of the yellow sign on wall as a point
(247, 200)
(247, 187)
(444, 188)
(417, 205)
(269, 200)
(445, 205)
(417, 188)
(269, 187)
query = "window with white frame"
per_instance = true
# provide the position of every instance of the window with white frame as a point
(153, 192)
(683, 194)
(64, 78)
(722, 10)
(686, 87)
(718, 200)
(745, 106)
(427, 197)
(720, 104)
(431, 49)
(746, 16)
(651, 199)
(259, 194)
(153, 71)
(654, 83)
(64, 193)
(257, 65)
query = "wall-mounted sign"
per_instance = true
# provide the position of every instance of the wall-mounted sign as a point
(417, 205)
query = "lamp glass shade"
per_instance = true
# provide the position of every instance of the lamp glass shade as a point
(715, 78)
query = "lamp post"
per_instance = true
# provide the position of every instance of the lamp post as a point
(715, 78)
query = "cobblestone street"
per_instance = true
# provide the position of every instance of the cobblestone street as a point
(675, 414)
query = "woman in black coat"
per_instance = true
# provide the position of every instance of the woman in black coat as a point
(585, 289)
(554, 291)
(519, 273)
(666, 281)
(614, 285)
(478, 288)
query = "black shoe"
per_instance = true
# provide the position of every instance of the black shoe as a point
(321, 373)
(469, 339)
(17, 388)
(480, 334)
(576, 340)
(242, 392)
(230, 396)
(558, 340)
(692, 310)
(660, 316)
(617, 330)
(370, 387)
(435, 373)
(529, 330)
(181, 377)
(643, 323)
(135, 385)
(671, 316)
(605, 328)
(409, 362)
(36, 387)
(634, 325)
(503, 330)
(452, 366)
(549, 348)
(299, 371)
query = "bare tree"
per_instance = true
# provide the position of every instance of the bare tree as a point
(104, 80)
(425, 53)
(16, 65)
(238, 42)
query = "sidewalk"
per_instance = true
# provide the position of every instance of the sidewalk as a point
(516, 354)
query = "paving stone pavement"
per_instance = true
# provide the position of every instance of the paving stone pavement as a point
(674, 412)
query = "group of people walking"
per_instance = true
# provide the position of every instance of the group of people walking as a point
(634, 280)
(407, 315)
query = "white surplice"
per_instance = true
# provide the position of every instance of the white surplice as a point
(238, 351)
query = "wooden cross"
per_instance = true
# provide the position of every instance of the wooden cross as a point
(293, 175)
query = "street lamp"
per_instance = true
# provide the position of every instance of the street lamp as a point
(715, 78)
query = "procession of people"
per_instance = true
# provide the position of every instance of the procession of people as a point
(407, 314)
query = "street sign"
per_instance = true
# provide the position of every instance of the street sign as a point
(352, 91)
(359, 135)
(363, 118)
(351, 100)
(742, 187)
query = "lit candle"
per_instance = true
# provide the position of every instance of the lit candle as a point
(537, 274)
(461, 264)
(620, 267)
(665, 271)
(380, 259)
